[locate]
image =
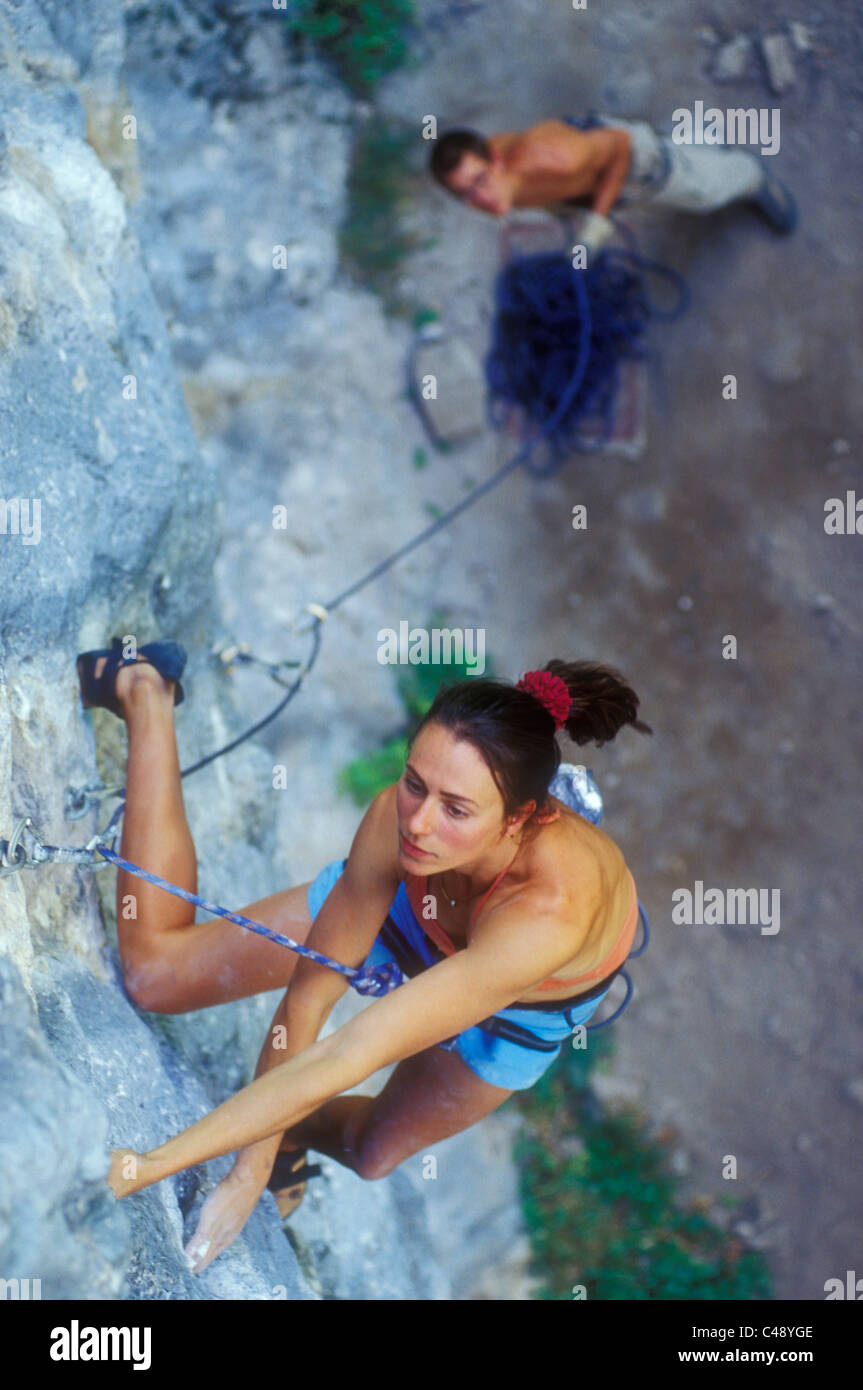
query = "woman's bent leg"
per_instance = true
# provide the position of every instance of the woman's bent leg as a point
(428, 1097)
(170, 963)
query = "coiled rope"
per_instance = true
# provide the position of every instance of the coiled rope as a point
(561, 334)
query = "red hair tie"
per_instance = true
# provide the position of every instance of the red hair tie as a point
(552, 693)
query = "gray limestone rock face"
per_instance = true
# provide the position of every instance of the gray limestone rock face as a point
(59, 1222)
(109, 524)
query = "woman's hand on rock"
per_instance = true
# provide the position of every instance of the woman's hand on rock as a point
(222, 1218)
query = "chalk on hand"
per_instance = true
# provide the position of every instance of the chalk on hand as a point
(193, 1256)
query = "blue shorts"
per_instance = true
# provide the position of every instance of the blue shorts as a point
(494, 1059)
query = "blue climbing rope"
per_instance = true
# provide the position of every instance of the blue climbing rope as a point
(365, 980)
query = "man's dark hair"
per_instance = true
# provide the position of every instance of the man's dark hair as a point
(448, 149)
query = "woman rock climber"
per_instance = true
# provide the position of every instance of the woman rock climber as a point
(495, 897)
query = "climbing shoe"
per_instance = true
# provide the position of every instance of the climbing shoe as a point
(288, 1180)
(168, 657)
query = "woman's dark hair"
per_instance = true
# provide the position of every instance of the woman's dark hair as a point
(515, 733)
(448, 149)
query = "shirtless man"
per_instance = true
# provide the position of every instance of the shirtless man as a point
(564, 164)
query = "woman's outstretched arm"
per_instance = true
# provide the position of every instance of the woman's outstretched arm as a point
(281, 1097)
(453, 995)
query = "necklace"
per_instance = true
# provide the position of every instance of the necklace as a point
(453, 902)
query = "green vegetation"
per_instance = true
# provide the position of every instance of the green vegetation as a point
(386, 169)
(364, 39)
(366, 776)
(601, 1206)
(363, 778)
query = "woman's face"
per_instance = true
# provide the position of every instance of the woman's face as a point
(450, 812)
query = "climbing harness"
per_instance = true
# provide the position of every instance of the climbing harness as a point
(553, 369)
(645, 938)
(411, 963)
